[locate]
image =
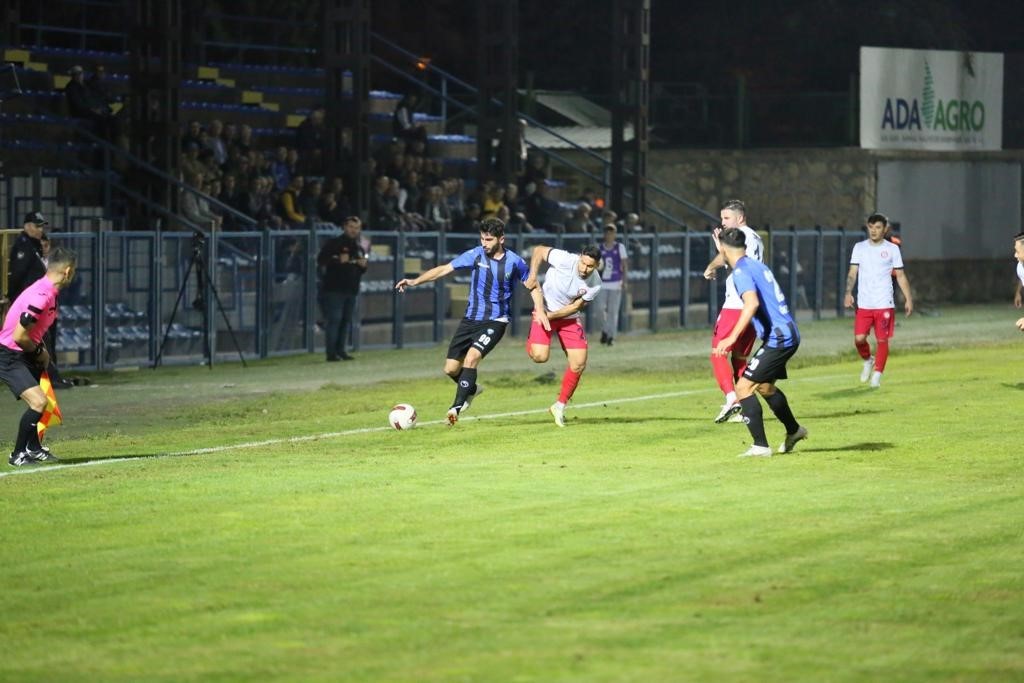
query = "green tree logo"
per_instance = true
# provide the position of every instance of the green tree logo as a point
(928, 97)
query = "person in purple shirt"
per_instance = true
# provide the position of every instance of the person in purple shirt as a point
(23, 355)
(765, 307)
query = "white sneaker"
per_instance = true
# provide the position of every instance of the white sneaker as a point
(738, 417)
(728, 410)
(799, 435)
(757, 452)
(469, 399)
(876, 379)
(453, 416)
(557, 411)
(869, 365)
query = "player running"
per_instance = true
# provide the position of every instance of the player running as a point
(571, 282)
(494, 270)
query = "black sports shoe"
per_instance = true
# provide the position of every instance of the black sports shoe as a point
(345, 356)
(42, 455)
(20, 458)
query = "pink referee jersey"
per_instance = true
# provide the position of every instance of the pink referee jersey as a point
(39, 301)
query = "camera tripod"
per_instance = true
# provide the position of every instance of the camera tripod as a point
(197, 262)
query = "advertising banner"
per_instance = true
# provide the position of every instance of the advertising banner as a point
(930, 99)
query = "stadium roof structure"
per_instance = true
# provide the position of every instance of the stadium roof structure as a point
(591, 123)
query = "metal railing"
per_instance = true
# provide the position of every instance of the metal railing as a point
(118, 312)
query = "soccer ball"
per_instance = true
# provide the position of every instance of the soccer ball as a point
(402, 416)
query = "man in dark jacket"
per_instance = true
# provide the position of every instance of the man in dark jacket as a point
(25, 262)
(342, 262)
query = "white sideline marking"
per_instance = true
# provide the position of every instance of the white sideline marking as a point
(364, 430)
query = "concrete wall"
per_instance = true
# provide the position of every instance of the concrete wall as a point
(961, 208)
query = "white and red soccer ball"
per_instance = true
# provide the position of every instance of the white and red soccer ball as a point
(402, 416)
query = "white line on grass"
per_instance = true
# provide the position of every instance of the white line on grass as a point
(365, 430)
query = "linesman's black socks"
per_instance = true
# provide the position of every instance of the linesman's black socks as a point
(28, 435)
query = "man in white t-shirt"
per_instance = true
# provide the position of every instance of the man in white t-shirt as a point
(873, 265)
(1018, 252)
(727, 369)
(571, 282)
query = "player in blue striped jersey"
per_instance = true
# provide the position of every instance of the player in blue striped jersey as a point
(765, 306)
(494, 272)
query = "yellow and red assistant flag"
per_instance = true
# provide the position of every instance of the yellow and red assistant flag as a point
(51, 414)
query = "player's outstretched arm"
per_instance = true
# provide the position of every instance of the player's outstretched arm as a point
(851, 280)
(904, 283)
(435, 273)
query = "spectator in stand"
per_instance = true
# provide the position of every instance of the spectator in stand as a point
(215, 143)
(469, 222)
(97, 85)
(631, 223)
(233, 196)
(258, 203)
(414, 196)
(383, 210)
(309, 200)
(453, 197)
(189, 162)
(403, 124)
(580, 222)
(230, 135)
(211, 170)
(280, 170)
(311, 140)
(397, 165)
(288, 203)
(494, 199)
(543, 213)
(513, 200)
(435, 210)
(293, 162)
(192, 135)
(83, 105)
(195, 208)
(410, 219)
(331, 210)
(537, 170)
(243, 143)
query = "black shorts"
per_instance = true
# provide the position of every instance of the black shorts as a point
(17, 372)
(483, 335)
(769, 364)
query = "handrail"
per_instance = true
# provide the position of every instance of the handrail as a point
(430, 67)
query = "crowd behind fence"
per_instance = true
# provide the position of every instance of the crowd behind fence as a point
(139, 295)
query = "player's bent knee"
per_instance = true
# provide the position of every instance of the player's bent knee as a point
(578, 367)
(858, 338)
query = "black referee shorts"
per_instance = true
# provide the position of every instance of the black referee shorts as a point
(17, 372)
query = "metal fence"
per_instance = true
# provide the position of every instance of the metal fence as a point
(144, 298)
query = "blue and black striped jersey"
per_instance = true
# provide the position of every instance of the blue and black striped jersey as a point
(491, 282)
(774, 325)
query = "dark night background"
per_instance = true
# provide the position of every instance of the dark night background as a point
(777, 45)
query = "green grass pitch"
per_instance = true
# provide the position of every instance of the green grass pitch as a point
(266, 525)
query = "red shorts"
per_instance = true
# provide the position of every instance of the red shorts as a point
(570, 333)
(882, 319)
(727, 318)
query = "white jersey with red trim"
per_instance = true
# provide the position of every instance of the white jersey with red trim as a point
(563, 284)
(755, 250)
(875, 263)
(1020, 273)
